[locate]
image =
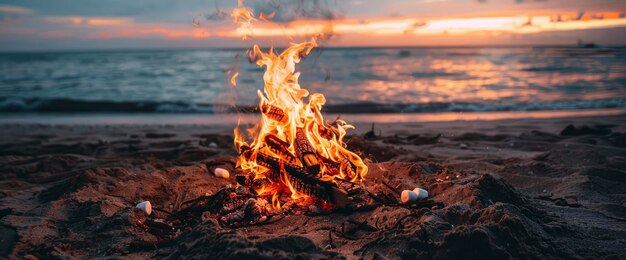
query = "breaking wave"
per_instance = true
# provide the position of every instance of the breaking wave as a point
(20, 105)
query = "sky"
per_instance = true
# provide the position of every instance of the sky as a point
(27, 25)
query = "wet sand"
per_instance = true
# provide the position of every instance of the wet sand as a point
(502, 188)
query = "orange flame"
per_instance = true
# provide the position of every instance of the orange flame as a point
(233, 79)
(243, 16)
(287, 121)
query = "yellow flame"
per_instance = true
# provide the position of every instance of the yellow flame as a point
(243, 16)
(233, 79)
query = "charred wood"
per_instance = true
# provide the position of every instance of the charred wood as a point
(274, 113)
(300, 180)
(306, 152)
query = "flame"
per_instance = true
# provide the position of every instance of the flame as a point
(243, 16)
(291, 119)
(267, 17)
(233, 79)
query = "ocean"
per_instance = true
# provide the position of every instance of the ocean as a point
(353, 80)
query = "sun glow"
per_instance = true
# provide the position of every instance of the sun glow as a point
(403, 26)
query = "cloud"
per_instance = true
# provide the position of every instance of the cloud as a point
(147, 31)
(115, 21)
(89, 21)
(288, 11)
(11, 9)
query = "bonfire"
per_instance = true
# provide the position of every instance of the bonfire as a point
(292, 149)
(292, 161)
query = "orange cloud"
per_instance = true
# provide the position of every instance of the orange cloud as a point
(375, 31)
(403, 26)
(148, 31)
(124, 27)
(90, 21)
(76, 20)
(14, 9)
(108, 21)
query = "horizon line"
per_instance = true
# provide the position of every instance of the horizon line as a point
(129, 49)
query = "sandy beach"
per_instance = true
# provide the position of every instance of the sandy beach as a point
(525, 188)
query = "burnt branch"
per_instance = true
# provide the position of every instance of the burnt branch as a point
(306, 152)
(279, 147)
(300, 180)
(274, 113)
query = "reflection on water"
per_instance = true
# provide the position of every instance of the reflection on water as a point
(477, 75)
(464, 79)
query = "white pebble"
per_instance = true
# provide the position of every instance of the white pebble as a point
(145, 206)
(213, 145)
(408, 196)
(421, 193)
(222, 173)
(463, 146)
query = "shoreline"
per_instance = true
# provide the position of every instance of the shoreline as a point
(232, 119)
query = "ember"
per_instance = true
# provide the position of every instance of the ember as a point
(293, 151)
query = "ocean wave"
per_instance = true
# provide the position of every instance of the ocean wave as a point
(13, 104)
(34, 105)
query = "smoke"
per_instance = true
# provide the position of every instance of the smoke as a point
(282, 10)
(291, 10)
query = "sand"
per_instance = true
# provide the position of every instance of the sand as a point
(500, 189)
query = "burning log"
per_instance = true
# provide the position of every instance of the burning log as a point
(274, 113)
(306, 153)
(301, 181)
(279, 147)
(347, 167)
(335, 168)
(327, 132)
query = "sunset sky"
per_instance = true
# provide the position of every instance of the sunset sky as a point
(122, 24)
